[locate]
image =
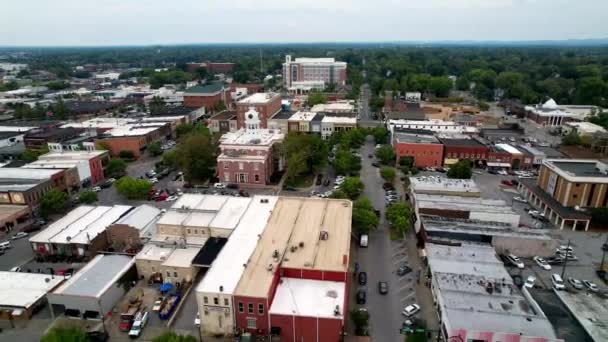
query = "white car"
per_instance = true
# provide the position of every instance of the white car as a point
(157, 305)
(153, 180)
(520, 199)
(590, 285)
(530, 282)
(179, 192)
(503, 173)
(138, 325)
(411, 310)
(16, 269)
(96, 189)
(219, 186)
(171, 198)
(565, 248)
(197, 319)
(515, 261)
(19, 235)
(557, 281)
(542, 263)
(577, 284)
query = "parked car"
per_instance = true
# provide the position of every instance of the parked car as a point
(326, 182)
(153, 180)
(375, 164)
(96, 189)
(530, 281)
(383, 287)
(519, 199)
(15, 269)
(158, 304)
(411, 310)
(577, 284)
(388, 186)
(590, 285)
(139, 324)
(503, 173)
(506, 182)
(515, 261)
(362, 278)
(219, 186)
(171, 198)
(542, 263)
(557, 281)
(19, 235)
(555, 260)
(361, 296)
(403, 270)
(197, 319)
(564, 248)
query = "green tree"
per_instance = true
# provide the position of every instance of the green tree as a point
(461, 170)
(30, 155)
(306, 154)
(406, 161)
(196, 156)
(157, 105)
(201, 73)
(133, 188)
(484, 106)
(170, 159)
(380, 135)
(170, 336)
(61, 334)
(388, 174)
(364, 219)
(386, 155)
(361, 320)
(571, 139)
(352, 187)
(399, 216)
(316, 97)
(345, 162)
(87, 197)
(59, 110)
(53, 202)
(155, 148)
(440, 86)
(116, 168)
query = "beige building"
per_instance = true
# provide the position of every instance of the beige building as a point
(565, 185)
(163, 264)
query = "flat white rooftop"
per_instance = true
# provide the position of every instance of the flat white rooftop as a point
(21, 290)
(264, 137)
(442, 184)
(309, 298)
(508, 148)
(181, 257)
(195, 210)
(258, 98)
(339, 120)
(140, 217)
(333, 107)
(81, 225)
(72, 155)
(96, 277)
(154, 253)
(227, 268)
(302, 116)
(24, 173)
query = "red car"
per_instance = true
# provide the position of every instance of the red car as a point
(507, 182)
(161, 197)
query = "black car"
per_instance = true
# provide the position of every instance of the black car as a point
(383, 287)
(403, 270)
(362, 278)
(361, 297)
(232, 186)
(492, 172)
(105, 185)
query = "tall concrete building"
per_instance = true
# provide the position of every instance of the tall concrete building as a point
(304, 74)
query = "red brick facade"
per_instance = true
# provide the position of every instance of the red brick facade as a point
(425, 155)
(266, 110)
(207, 101)
(465, 152)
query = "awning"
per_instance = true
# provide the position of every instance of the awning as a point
(450, 161)
(492, 164)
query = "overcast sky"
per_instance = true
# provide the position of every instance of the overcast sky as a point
(126, 22)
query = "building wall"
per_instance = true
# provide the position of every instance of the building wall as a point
(260, 319)
(298, 328)
(96, 167)
(121, 234)
(472, 153)
(198, 100)
(265, 111)
(425, 155)
(313, 274)
(571, 194)
(525, 248)
(231, 169)
(178, 274)
(134, 144)
(146, 268)
(216, 318)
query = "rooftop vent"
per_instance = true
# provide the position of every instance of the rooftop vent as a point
(324, 235)
(269, 267)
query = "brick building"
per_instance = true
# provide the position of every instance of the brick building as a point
(549, 114)
(426, 150)
(208, 96)
(291, 281)
(223, 122)
(266, 104)
(565, 184)
(38, 139)
(460, 147)
(248, 156)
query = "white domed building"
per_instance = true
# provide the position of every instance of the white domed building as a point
(549, 114)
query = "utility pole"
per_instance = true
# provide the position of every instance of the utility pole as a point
(604, 247)
(566, 259)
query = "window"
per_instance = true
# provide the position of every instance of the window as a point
(206, 312)
(175, 274)
(256, 166)
(574, 196)
(260, 309)
(578, 184)
(226, 176)
(241, 166)
(225, 165)
(205, 300)
(216, 301)
(168, 274)
(196, 231)
(257, 178)
(240, 306)
(250, 307)
(251, 323)
(188, 230)
(226, 302)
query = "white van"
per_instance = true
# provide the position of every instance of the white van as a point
(138, 324)
(557, 281)
(5, 245)
(364, 240)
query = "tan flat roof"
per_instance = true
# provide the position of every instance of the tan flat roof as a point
(299, 222)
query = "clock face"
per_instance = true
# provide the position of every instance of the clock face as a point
(250, 116)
